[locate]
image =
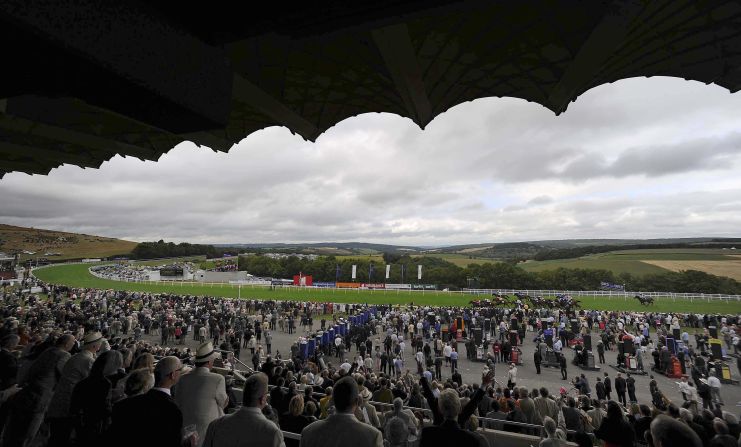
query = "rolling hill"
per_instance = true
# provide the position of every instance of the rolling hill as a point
(33, 243)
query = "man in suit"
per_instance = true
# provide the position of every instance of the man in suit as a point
(599, 387)
(154, 413)
(76, 369)
(536, 359)
(8, 373)
(630, 383)
(342, 428)
(247, 426)
(620, 388)
(28, 407)
(449, 432)
(201, 394)
(365, 412)
(562, 364)
(8, 361)
(545, 406)
(608, 386)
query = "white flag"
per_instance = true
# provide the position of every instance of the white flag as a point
(354, 271)
(388, 271)
(419, 271)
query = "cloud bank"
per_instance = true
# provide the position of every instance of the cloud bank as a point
(639, 158)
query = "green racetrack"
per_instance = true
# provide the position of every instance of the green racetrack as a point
(77, 275)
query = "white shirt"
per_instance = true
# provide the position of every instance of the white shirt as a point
(713, 382)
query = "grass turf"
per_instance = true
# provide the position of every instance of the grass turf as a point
(77, 275)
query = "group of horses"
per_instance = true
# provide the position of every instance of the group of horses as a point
(563, 302)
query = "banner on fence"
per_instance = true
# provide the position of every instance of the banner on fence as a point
(348, 285)
(604, 285)
(424, 286)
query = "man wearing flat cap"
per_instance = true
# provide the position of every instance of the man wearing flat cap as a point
(77, 368)
(201, 394)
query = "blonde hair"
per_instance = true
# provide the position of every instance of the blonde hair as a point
(296, 405)
(145, 360)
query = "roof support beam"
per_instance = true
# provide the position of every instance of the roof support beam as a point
(248, 93)
(110, 147)
(397, 51)
(591, 57)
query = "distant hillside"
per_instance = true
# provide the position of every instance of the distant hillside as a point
(32, 243)
(507, 251)
(328, 248)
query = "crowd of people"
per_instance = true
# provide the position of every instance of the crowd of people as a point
(82, 367)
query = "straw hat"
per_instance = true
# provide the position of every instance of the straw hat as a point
(366, 394)
(205, 352)
(92, 337)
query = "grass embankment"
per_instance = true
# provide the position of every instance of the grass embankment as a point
(77, 275)
(69, 245)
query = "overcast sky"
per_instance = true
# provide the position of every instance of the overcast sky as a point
(641, 158)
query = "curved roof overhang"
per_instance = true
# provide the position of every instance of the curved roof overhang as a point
(86, 80)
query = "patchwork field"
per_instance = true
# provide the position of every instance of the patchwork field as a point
(641, 262)
(731, 268)
(77, 275)
(617, 266)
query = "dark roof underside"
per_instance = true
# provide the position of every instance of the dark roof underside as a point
(87, 80)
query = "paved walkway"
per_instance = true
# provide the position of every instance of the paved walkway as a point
(549, 377)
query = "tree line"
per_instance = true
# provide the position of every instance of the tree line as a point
(162, 249)
(485, 276)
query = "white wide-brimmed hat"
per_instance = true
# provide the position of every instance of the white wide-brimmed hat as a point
(205, 352)
(92, 337)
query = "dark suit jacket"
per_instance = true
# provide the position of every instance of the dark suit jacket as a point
(8, 369)
(447, 434)
(153, 415)
(620, 385)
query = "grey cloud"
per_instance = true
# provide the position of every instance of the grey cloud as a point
(489, 170)
(540, 200)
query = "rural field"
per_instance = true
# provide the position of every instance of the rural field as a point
(77, 275)
(641, 262)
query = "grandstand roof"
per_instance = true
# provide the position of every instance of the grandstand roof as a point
(86, 80)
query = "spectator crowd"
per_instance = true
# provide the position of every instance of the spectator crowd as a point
(100, 367)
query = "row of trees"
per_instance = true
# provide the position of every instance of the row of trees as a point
(489, 276)
(162, 249)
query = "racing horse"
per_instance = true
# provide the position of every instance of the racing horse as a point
(645, 300)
